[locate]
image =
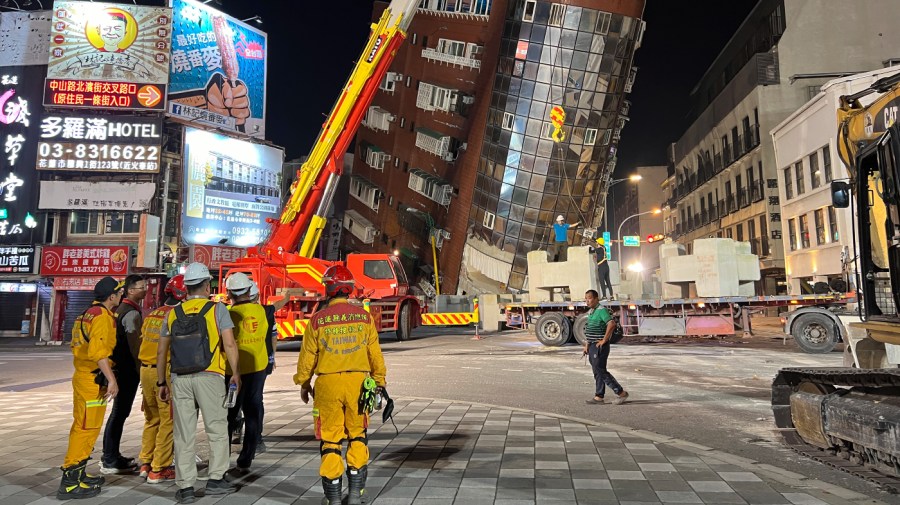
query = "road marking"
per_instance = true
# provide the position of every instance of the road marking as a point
(510, 370)
(554, 373)
(435, 366)
(471, 367)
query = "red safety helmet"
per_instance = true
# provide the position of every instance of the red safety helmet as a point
(338, 281)
(175, 287)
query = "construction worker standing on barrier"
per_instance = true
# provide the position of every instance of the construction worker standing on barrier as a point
(156, 443)
(93, 384)
(340, 346)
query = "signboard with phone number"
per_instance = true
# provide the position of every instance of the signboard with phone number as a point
(101, 143)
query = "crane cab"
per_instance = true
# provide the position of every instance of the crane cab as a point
(378, 275)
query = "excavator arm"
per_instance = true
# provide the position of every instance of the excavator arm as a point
(313, 189)
(859, 124)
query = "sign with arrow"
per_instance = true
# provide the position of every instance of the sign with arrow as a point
(631, 241)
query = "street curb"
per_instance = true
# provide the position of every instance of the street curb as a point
(775, 473)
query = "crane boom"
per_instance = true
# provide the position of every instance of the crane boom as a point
(312, 191)
(859, 124)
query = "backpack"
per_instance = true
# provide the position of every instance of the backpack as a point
(190, 352)
(617, 334)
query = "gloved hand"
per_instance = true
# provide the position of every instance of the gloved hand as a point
(306, 391)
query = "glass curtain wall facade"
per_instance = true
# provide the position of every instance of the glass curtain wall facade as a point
(551, 55)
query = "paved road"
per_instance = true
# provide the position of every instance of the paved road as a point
(709, 392)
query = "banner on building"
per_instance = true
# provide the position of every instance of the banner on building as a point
(85, 260)
(108, 56)
(215, 57)
(83, 195)
(99, 143)
(75, 283)
(230, 188)
(24, 38)
(20, 118)
(213, 256)
(17, 259)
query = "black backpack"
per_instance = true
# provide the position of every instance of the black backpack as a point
(190, 341)
(617, 334)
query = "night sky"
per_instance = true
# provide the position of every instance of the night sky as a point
(313, 47)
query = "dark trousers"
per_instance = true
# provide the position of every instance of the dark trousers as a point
(602, 377)
(561, 251)
(112, 435)
(250, 402)
(603, 277)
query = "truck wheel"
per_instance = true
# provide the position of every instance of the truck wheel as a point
(814, 333)
(404, 324)
(553, 329)
(578, 328)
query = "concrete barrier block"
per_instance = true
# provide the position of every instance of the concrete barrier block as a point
(578, 274)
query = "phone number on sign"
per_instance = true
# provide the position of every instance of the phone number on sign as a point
(98, 152)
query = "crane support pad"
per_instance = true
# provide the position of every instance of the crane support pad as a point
(448, 319)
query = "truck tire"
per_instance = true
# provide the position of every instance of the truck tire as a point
(578, 328)
(553, 329)
(814, 333)
(404, 324)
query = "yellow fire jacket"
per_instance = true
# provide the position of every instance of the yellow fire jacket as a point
(340, 338)
(93, 338)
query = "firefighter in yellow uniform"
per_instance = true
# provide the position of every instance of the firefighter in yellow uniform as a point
(93, 383)
(340, 346)
(156, 442)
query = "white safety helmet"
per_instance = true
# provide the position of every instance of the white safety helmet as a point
(195, 273)
(238, 283)
(254, 290)
(560, 218)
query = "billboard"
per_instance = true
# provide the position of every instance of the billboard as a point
(85, 260)
(230, 188)
(17, 259)
(24, 38)
(218, 69)
(96, 48)
(84, 195)
(20, 119)
(214, 256)
(89, 143)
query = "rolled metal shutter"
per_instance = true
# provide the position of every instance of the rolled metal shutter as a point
(14, 305)
(78, 302)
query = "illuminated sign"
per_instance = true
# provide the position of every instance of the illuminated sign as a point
(631, 241)
(20, 115)
(218, 65)
(63, 260)
(15, 287)
(213, 256)
(104, 95)
(230, 188)
(18, 259)
(110, 42)
(99, 143)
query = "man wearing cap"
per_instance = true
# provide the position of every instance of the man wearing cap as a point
(93, 383)
(129, 319)
(204, 390)
(561, 237)
(251, 332)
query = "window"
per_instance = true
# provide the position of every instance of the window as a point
(804, 231)
(607, 137)
(729, 233)
(508, 120)
(378, 119)
(431, 97)
(376, 158)
(788, 184)
(833, 225)
(389, 82)
(792, 234)
(365, 191)
(798, 171)
(590, 136)
(83, 222)
(557, 14)
(451, 47)
(488, 221)
(122, 222)
(114, 222)
(739, 232)
(819, 220)
(433, 142)
(528, 12)
(433, 187)
(815, 176)
(378, 269)
(413, 39)
(548, 131)
(826, 163)
(603, 20)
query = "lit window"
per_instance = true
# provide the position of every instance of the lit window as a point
(603, 21)
(557, 14)
(508, 120)
(528, 12)
(590, 136)
(488, 221)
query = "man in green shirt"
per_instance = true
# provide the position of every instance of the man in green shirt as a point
(598, 330)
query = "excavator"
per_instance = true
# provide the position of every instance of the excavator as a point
(849, 417)
(283, 264)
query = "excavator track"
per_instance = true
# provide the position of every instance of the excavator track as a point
(830, 383)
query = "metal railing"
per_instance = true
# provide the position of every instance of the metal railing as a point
(757, 191)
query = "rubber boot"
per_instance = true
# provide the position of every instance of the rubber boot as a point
(356, 480)
(91, 480)
(72, 487)
(332, 488)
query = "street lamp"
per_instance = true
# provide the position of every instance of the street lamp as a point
(431, 231)
(619, 232)
(632, 178)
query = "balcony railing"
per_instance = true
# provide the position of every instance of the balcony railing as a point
(760, 246)
(463, 61)
(757, 191)
(731, 153)
(730, 204)
(743, 198)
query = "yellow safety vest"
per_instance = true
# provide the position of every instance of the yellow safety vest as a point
(150, 334)
(251, 329)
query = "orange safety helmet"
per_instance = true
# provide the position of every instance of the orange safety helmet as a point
(338, 281)
(175, 287)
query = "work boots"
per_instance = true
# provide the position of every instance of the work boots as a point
(356, 479)
(332, 488)
(91, 480)
(73, 487)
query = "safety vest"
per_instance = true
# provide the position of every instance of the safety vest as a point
(93, 337)
(150, 334)
(193, 306)
(251, 331)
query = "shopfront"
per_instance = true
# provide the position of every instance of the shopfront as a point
(18, 290)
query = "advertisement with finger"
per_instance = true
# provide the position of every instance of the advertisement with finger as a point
(218, 70)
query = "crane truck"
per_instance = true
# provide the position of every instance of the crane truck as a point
(283, 264)
(850, 417)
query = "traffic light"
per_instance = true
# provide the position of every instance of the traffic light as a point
(655, 238)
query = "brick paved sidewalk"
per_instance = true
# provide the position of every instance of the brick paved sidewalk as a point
(446, 453)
